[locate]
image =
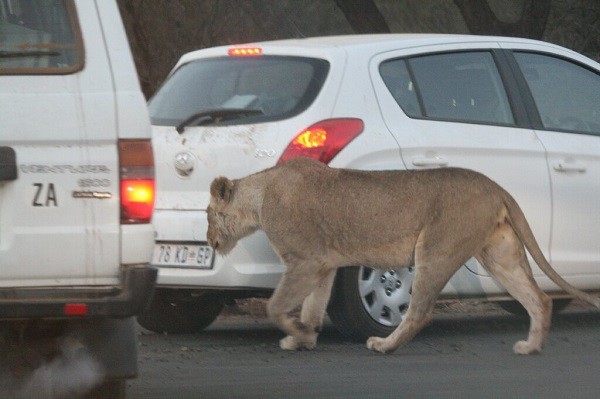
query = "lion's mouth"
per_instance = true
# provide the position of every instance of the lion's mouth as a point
(212, 241)
(218, 247)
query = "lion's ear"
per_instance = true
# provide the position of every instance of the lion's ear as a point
(221, 188)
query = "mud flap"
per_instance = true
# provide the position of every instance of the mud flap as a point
(113, 343)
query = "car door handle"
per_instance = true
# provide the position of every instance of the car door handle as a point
(8, 164)
(569, 167)
(429, 161)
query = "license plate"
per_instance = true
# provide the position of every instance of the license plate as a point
(172, 254)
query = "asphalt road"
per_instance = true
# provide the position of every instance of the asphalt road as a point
(457, 356)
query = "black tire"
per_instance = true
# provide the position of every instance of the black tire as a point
(352, 315)
(173, 313)
(517, 309)
(113, 389)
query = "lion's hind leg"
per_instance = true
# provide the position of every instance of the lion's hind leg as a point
(427, 284)
(505, 259)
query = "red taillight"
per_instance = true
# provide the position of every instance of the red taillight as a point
(245, 51)
(137, 200)
(76, 309)
(137, 181)
(323, 140)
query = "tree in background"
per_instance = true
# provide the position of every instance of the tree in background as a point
(481, 19)
(160, 31)
(363, 16)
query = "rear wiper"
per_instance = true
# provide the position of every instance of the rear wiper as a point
(22, 54)
(216, 116)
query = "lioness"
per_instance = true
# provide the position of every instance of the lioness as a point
(319, 219)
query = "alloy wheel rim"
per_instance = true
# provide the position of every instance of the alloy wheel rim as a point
(385, 294)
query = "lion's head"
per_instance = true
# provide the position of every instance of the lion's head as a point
(229, 219)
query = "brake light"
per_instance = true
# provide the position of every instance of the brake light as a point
(245, 51)
(137, 181)
(75, 309)
(323, 140)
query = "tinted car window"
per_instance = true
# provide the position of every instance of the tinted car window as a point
(39, 37)
(459, 87)
(278, 87)
(399, 82)
(567, 95)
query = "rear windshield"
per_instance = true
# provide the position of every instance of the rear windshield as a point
(39, 37)
(269, 87)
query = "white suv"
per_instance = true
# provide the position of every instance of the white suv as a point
(523, 112)
(76, 184)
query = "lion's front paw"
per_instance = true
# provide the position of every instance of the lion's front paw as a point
(526, 348)
(291, 344)
(288, 343)
(378, 344)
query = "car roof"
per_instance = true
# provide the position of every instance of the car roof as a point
(375, 43)
(398, 39)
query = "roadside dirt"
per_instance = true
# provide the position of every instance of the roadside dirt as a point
(255, 308)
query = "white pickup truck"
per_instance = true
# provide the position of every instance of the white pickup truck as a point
(76, 186)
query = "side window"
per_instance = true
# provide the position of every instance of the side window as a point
(398, 81)
(567, 95)
(463, 87)
(39, 37)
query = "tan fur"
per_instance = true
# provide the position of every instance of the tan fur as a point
(319, 219)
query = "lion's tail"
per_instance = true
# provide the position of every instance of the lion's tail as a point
(523, 230)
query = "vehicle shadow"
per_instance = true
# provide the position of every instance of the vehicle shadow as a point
(259, 332)
(241, 331)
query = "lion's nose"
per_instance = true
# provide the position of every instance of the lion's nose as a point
(213, 243)
(211, 240)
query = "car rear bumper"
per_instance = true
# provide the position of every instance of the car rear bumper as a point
(252, 264)
(67, 302)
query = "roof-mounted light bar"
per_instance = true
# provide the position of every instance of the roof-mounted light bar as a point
(245, 51)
